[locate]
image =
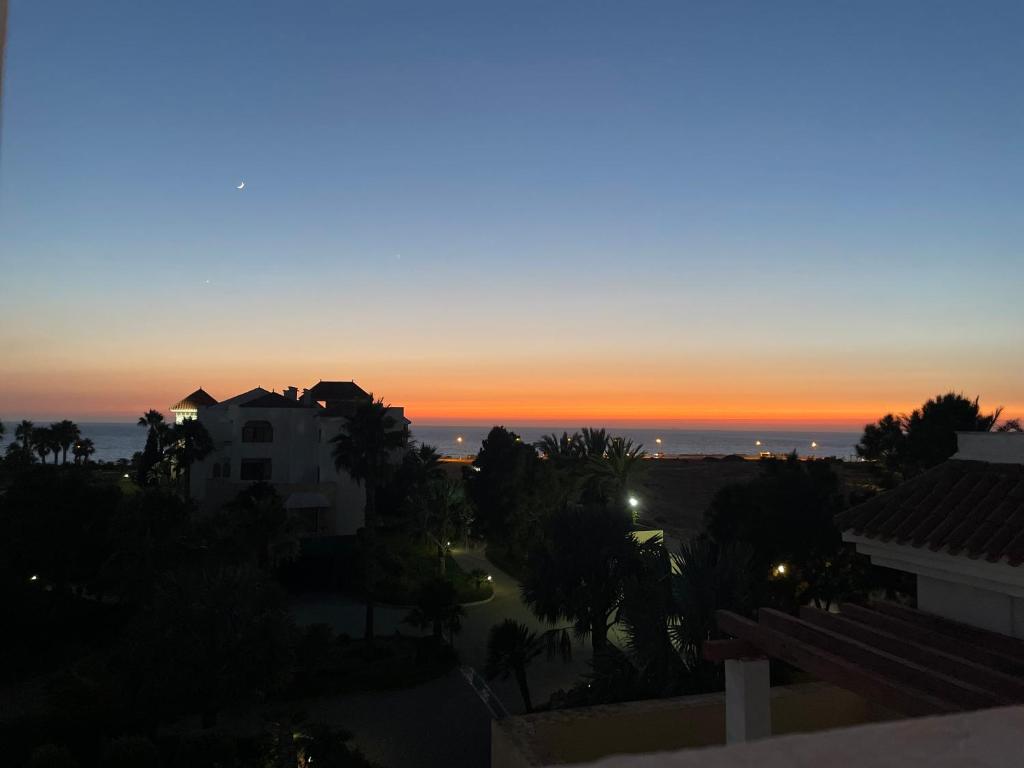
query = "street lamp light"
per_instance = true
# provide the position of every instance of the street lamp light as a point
(634, 502)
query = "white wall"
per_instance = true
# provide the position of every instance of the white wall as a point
(977, 592)
(300, 456)
(983, 608)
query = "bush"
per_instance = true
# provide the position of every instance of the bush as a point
(330, 664)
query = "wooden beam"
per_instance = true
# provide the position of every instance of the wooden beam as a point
(724, 650)
(891, 666)
(957, 646)
(1007, 686)
(992, 641)
(834, 669)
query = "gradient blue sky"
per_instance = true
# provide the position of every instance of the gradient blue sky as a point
(686, 212)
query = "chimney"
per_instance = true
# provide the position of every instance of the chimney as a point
(305, 396)
(292, 393)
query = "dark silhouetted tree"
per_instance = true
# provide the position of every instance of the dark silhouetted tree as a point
(65, 433)
(511, 647)
(257, 528)
(578, 569)
(152, 453)
(187, 443)
(42, 443)
(437, 608)
(510, 489)
(210, 638)
(23, 433)
(709, 578)
(786, 516)
(366, 449)
(448, 515)
(884, 442)
(927, 437)
(83, 449)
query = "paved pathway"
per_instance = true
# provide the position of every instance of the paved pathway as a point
(440, 724)
(545, 676)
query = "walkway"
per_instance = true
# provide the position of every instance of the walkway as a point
(545, 675)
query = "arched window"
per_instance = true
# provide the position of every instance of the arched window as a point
(257, 432)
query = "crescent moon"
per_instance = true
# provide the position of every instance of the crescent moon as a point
(241, 186)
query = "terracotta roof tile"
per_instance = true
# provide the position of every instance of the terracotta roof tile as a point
(193, 401)
(966, 507)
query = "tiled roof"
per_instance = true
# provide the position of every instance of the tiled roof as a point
(193, 401)
(972, 508)
(271, 400)
(338, 390)
(245, 397)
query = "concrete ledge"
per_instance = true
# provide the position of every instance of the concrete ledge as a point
(990, 738)
(585, 734)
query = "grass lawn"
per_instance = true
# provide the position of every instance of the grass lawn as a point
(407, 563)
(334, 664)
(510, 562)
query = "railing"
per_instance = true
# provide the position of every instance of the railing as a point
(484, 692)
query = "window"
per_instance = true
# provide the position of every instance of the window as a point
(227, 469)
(257, 432)
(222, 469)
(255, 470)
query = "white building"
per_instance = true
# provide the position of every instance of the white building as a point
(283, 439)
(959, 527)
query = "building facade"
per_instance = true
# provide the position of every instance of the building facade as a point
(283, 439)
(959, 528)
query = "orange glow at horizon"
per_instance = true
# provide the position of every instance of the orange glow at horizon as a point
(650, 395)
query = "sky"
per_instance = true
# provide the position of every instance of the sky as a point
(667, 213)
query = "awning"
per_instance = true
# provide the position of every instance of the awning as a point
(306, 500)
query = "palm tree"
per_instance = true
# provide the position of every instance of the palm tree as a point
(364, 448)
(153, 421)
(595, 441)
(560, 448)
(448, 514)
(65, 433)
(159, 430)
(579, 570)
(511, 647)
(260, 522)
(437, 607)
(620, 470)
(708, 578)
(42, 442)
(189, 442)
(83, 449)
(23, 432)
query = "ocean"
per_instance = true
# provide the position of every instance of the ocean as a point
(119, 441)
